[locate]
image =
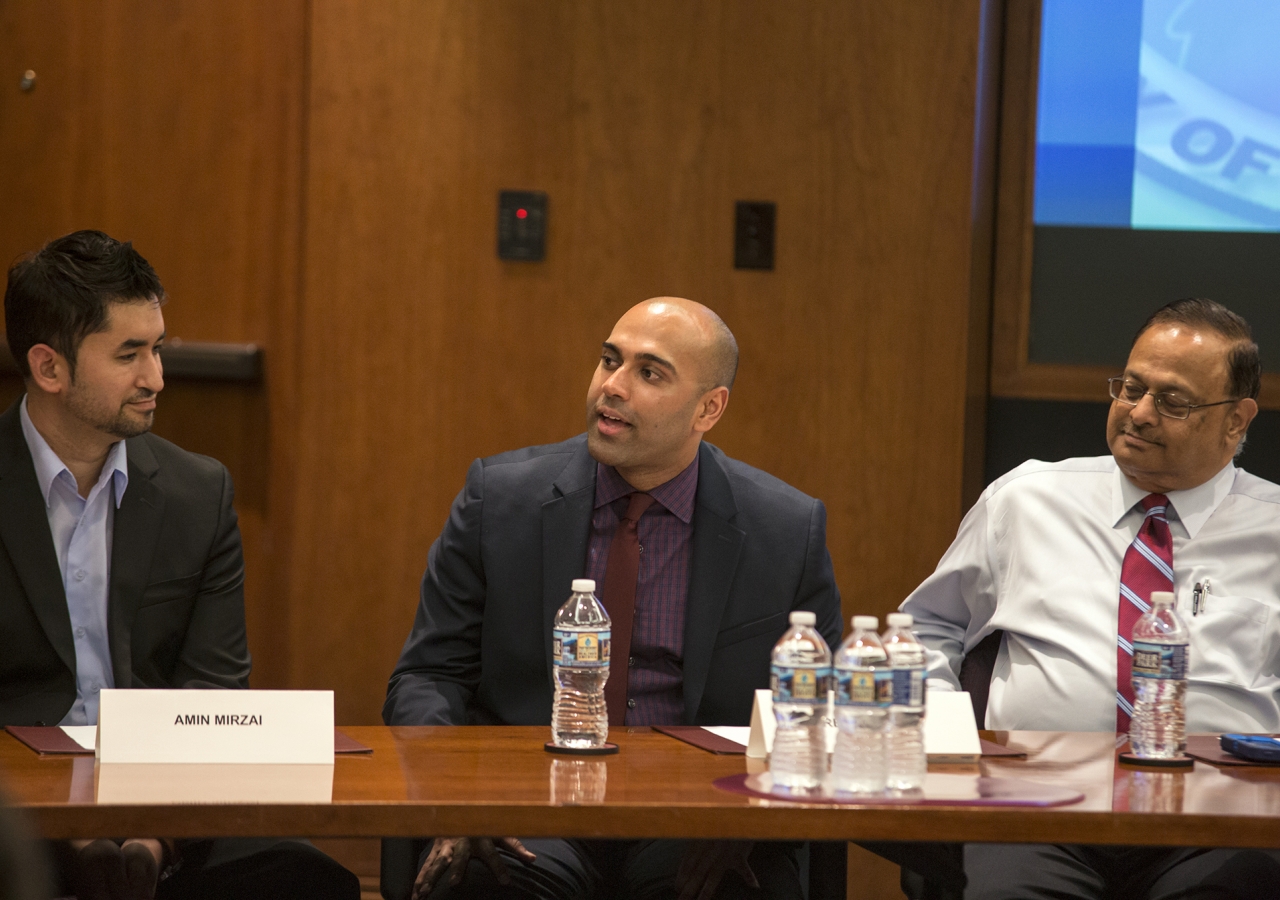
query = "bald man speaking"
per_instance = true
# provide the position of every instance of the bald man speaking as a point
(728, 553)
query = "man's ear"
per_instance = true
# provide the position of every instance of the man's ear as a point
(49, 369)
(1239, 418)
(710, 408)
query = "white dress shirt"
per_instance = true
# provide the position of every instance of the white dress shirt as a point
(1039, 556)
(81, 528)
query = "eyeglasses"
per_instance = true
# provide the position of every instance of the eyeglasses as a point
(1169, 405)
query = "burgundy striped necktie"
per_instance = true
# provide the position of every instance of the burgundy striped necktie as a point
(1148, 567)
(619, 599)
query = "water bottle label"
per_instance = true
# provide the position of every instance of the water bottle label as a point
(799, 684)
(580, 648)
(862, 687)
(908, 687)
(1159, 660)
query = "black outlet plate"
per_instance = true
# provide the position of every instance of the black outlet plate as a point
(522, 225)
(753, 227)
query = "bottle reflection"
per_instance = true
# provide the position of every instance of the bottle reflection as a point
(1156, 791)
(578, 782)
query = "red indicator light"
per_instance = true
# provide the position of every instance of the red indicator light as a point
(522, 213)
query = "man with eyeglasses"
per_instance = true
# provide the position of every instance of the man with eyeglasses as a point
(1062, 557)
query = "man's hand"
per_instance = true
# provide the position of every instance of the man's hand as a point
(705, 864)
(449, 857)
(107, 871)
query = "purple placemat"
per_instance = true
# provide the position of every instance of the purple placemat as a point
(986, 792)
(701, 738)
(50, 740)
(47, 740)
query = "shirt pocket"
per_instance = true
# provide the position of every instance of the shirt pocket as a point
(1228, 638)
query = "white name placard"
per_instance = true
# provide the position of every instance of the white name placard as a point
(215, 726)
(950, 732)
(214, 783)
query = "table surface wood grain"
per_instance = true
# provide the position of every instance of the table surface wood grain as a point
(500, 780)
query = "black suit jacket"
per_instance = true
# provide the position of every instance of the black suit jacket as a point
(480, 649)
(175, 608)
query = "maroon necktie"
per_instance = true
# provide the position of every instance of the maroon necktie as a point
(619, 599)
(1147, 567)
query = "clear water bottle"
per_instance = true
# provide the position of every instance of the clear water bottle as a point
(580, 649)
(864, 690)
(907, 761)
(1158, 729)
(801, 669)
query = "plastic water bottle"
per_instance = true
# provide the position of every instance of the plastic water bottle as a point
(1158, 728)
(580, 649)
(907, 760)
(864, 690)
(801, 669)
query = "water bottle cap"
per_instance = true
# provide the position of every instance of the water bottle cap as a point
(865, 623)
(899, 620)
(584, 586)
(800, 617)
(1161, 597)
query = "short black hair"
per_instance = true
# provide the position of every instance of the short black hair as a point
(1244, 365)
(58, 295)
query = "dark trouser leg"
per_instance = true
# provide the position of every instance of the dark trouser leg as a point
(649, 871)
(564, 870)
(1218, 875)
(1024, 871)
(638, 870)
(252, 868)
(1030, 872)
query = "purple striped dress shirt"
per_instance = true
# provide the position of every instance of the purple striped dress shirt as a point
(655, 688)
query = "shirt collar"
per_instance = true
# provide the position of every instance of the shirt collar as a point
(1192, 507)
(49, 466)
(676, 495)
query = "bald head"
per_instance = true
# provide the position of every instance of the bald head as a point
(662, 383)
(713, 344)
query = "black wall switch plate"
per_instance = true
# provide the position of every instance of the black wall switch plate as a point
(522, 225)
(753, 234)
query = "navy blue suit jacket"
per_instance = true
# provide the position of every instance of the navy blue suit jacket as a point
(480, 648)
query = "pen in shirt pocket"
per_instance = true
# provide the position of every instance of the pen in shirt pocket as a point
(1199, 597)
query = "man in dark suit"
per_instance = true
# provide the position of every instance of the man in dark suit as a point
(728, 553)
(121, 563)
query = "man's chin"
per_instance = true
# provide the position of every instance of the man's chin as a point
(126, 426)
(604, 449)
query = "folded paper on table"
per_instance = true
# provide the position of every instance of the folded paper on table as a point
(950, 732)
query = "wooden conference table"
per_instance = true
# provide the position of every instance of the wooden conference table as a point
(481, 780)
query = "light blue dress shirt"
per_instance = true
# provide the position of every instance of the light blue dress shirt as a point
(81, 530)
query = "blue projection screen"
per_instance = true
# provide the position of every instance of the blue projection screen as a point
(1159, 114)
(1157, 169)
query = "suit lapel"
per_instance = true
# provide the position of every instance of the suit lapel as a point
(133, 542)
(24, 529)
(566, 530)
(716, 546)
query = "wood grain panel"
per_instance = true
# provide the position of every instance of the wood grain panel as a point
(419, 350)
(177, 125)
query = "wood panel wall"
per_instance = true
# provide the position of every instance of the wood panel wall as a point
(420, 350)
(321, 177)
(177, 125)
